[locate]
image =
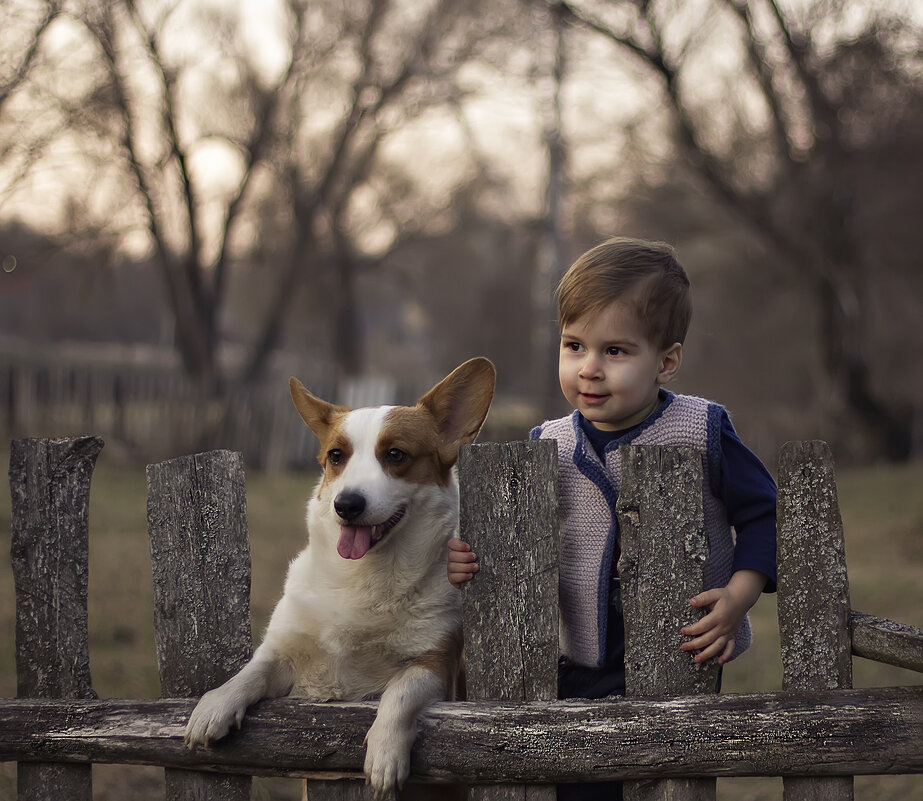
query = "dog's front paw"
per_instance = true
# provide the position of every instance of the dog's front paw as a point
(213, 717)
(387, 758)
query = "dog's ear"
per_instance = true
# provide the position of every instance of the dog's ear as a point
(460, 402)
(317, 413)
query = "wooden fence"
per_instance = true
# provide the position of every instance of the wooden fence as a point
(148, 411)
(669, 738)
(140, 401)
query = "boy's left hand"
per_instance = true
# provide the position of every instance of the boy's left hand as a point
(714, 634)
(463, 563)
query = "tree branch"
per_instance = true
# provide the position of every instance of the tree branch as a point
(358, 107)
(202, 296)
(265, 114)
(188, 343)
(753, 208)
(826, 127)
(570, 14)
(762, 69)
(21, 71)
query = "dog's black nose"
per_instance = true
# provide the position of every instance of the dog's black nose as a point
(349, 505)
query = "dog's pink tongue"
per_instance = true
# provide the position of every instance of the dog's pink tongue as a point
(355, 541)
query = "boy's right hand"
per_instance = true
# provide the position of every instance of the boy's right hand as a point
(463, 563)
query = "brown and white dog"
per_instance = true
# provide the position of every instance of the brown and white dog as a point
(367, 609)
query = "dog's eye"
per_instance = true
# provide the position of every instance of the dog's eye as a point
(395, 455)
(334, 456)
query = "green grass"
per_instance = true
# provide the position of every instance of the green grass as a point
(882, 510)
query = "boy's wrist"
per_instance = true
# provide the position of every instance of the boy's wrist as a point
(748, 584)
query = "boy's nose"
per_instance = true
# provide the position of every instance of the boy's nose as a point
(590, 367)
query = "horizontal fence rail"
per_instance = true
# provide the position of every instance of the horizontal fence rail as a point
(888, 642)
(826, 733)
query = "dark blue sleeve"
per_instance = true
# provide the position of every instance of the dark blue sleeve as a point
(749, 495)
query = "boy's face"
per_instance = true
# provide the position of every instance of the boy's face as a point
(610, 371)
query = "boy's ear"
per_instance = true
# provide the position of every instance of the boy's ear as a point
(670, 362)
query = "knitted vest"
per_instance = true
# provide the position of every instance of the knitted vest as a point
(588, 491)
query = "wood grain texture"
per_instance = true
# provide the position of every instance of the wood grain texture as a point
(813, 590)
(821, 733)
(200, 557)
(50, 488)
(664, 548)
(886, 641)
(509, 516)
(817, 734)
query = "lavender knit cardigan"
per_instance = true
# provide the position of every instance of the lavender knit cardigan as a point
(588, 491)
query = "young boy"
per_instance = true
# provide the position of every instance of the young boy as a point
(623, 310)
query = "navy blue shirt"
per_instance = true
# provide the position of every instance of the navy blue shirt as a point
(746, 488)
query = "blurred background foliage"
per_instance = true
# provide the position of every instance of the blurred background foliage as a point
(214, 194)
(199, 198)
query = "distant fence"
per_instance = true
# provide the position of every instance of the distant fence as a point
(669, 738)
(145, 406)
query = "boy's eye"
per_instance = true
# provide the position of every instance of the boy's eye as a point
(572, 346)
(614, 351)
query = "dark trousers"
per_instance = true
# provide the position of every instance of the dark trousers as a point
(579, 681)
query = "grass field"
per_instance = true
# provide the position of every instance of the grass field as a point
(883, 516)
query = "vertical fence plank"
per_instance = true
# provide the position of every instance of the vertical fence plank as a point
(664, 547)
(50, 487)
(200, 554)
(813, 591)
(509, 515)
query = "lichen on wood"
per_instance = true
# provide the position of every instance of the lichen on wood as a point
(813, 589)
(509, 515)
(664, 546)
(200, 557)
(50, 487)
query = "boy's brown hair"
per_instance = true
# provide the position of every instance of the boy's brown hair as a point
(642, 273)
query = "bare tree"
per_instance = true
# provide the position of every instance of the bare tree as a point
(302, 138)
(163, 179)
(790, 120)
(400, 73)
(554, 253)
(16, 69)
(20, 46)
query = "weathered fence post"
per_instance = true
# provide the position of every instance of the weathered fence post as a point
(813, 591)
(197, 521)
(508, 514)
(50, 486)
(664, 547)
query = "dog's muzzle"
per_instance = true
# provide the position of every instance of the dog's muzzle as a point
(357, 540)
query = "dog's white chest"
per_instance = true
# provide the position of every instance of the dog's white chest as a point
(347, 643)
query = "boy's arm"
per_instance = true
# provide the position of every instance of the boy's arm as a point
(749, 496)
(462, 564)
(713, 635)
